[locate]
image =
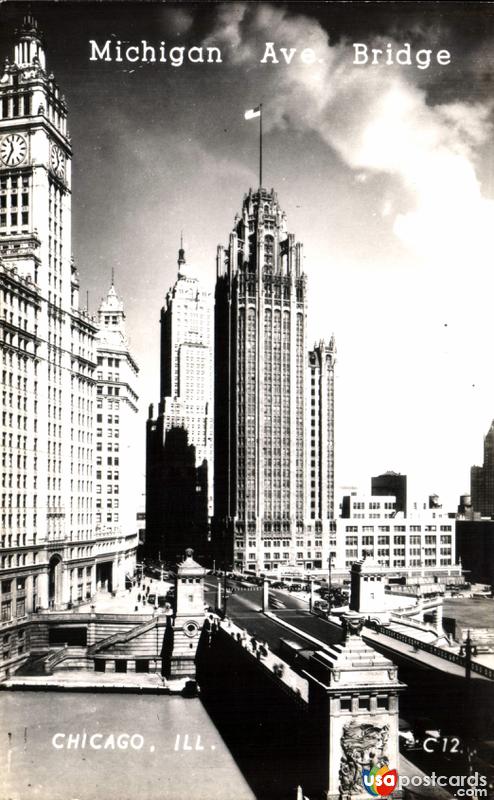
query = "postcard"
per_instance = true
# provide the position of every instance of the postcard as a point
(246, 280)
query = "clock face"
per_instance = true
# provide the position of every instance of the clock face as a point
(13, 149)
(57, 160)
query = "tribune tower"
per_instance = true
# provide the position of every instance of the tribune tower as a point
(260, 363)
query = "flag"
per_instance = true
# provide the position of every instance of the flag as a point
(253, 112)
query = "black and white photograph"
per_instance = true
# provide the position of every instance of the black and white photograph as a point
(246, 338)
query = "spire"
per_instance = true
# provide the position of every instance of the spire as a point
(111, 305)
(181, 252)
(29, 48)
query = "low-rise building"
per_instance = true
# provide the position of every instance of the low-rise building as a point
(419, 546)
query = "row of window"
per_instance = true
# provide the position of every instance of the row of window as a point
(14, 219)
(18, 105)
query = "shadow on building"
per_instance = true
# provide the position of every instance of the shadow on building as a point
(176, 494)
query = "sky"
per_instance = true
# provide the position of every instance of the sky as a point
(385, 172)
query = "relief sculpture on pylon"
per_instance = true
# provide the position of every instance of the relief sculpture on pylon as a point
(363, 747)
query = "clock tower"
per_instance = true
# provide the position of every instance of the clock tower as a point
(35, 175)
(48, 361)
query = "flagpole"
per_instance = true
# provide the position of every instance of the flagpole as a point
(260, 146)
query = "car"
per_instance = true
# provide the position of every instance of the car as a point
(405, 735)
(275, 602)
(321, 605)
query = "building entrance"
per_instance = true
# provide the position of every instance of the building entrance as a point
(104, 573)
(55, 581)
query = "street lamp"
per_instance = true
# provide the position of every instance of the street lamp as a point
(225, 531)
(330, 565)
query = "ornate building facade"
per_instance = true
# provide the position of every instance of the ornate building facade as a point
(117, 429)
(264, 421)
(50, 553)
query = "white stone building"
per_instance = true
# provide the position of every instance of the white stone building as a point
(186, 365)
(50, 552)
(420, 546)
(117, 426)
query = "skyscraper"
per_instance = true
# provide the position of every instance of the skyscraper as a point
(186, 368)
(117, 430)
(260, 366)
(48, 543)
(482, 479)
(179, 459)
(320, 410)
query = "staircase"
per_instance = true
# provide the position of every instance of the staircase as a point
(122, 636)
(36, 664)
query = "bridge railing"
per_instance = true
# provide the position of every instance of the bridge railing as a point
(275, 665)
(480, 669)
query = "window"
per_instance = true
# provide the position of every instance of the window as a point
(6, 610)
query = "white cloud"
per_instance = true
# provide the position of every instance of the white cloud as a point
(377, 119)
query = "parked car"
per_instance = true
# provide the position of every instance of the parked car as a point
(405, 735)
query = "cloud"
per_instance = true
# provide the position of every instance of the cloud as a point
(378, 119)
(176, 21)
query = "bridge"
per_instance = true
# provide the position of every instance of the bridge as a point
(264, 676)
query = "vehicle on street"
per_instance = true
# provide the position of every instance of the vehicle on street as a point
(405, 735)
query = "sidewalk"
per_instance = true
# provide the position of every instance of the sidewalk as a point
(86, 680)
(127, 601)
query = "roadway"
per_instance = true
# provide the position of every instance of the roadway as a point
(244, 608)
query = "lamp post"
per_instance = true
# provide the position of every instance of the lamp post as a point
(225, 526)
(468, 650)
(330, 564)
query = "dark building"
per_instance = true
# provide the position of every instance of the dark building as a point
(482, 479)
(179, 441)
(391, 483)
(176, 493)
(475, 548)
